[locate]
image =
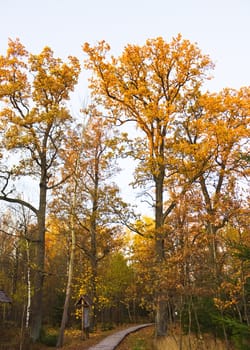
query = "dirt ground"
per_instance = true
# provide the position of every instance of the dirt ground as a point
(73, 339)
(141, 339)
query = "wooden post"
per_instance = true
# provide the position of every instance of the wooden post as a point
(86, 320)
(82, 307)
(85, 304)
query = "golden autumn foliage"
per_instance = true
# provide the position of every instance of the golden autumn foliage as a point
(190, 142)
(33, 91)
(189, 264)
(147, 84)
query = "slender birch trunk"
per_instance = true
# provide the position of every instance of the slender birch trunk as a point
(27, 321)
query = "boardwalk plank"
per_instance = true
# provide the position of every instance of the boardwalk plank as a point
(112, 341)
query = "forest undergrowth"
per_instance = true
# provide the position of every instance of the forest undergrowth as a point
(144, 340)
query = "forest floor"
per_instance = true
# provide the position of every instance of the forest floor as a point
(142, 339)
(10, 339)
(95, 338)
(73, 339)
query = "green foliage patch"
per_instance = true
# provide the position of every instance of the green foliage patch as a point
(48, 337)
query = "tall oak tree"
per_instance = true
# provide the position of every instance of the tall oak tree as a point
(34, 116)
(148, 85)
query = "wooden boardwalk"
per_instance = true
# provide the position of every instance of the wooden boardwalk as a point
(112, 341)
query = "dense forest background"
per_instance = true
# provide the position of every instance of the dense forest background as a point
(65, 229)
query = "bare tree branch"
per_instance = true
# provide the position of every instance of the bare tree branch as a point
(20, 202)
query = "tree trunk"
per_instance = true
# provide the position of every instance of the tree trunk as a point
(94, 296)
(93, 224)
(161, 304)
(28, 287)
(161, 318)
(37, 302)
(64, 320)
(68, 288)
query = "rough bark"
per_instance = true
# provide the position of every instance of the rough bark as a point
(37, 302)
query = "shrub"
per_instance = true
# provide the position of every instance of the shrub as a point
(48, 337)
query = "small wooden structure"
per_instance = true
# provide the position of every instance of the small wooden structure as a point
(4, 299)
(85, 303)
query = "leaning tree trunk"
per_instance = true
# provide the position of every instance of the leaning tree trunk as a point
(64, 320)
(69, 286)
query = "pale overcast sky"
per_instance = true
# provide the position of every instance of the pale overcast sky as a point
(221, 29)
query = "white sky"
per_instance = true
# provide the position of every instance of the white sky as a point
(221, 29)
